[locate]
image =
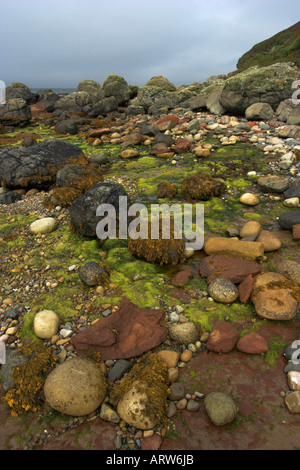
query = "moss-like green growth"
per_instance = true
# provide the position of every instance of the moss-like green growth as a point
(29, 378)
(275, 346)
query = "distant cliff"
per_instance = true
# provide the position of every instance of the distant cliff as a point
(283, 47)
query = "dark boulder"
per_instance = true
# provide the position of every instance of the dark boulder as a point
(15, 112)
(19, 90)
(83, 216)
(36, 165)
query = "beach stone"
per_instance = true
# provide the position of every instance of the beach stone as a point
(245, 288)
(177, 391)
(259, 111)
(37, 164)
(201, 152)
(45, 324)
(10, 197)
(91, 273)
(193, 405)
(249, 199)
(45, 225)
(293, 379)
(290, 350)
(235, 248)
(170, 357)
(273, 184)
(223, 290)
(137, 330)
(172, 374)
(252, 343)
(291, 202)
(272, 299)
(120, 368)
(220, 408)
(184, 333)
(83, 216)
(151, 442)
(132, 406)
(292, 401)
(108, 413)
(293, 190)
(203, 187)
(251, 228)
(129, 153)
(269, 240)
(76, 387)
(290, 269)
(223, 337)
(15, 112)
(296, 232)
(186, 355)
(286, 220)
(235, 269)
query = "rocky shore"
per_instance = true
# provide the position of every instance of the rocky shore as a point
(120, 344)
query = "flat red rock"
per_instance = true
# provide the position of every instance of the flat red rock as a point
(252, 343)
(127, 332)
(223, 337)
(235, 269)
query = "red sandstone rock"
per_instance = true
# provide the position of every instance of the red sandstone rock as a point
(151, 442)
(296, 232)
(127, 332)
(222, 338)
(235, 269)
(181, 146)
(245, 288)
(252, 343)
(181, 278)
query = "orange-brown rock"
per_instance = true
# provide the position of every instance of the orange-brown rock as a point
(223, 337)
(127, 332)
(252, 343)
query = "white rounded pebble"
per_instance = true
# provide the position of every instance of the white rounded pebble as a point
(45, 225)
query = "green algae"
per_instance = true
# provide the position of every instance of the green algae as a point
(205, 311)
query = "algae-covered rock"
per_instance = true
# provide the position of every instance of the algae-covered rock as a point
(271, 85)
(161, 82)
(141, 397)
(15, 112)
(76, 387)
(203, 187)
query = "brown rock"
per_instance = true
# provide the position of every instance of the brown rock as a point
(182, 278)
(129, 153)
(250, 229)
(186, 355)
(296, 232)
(134, 138)
(167, 122)
(127, 332)
(181, 146)
(222, 338)
(245, 288)
(235, 269)
(171, 358)
(252, 343)
(151, 442)
(234, 248)
(99, 132)
(272, 297)
(269, 240)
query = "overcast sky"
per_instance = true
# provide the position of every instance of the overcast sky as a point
(58, 43)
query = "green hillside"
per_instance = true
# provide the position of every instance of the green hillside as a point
(283, 47)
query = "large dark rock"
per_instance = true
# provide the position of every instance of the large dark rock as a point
(50, 101)
(102, 107)
(91, 87)
(271, 85)
(66, 126)
(73, 102)
(286, 220)
(117, 87)
(10, 197)
(83, 210)
(19, 90)
(15, 112)
(36, 165)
